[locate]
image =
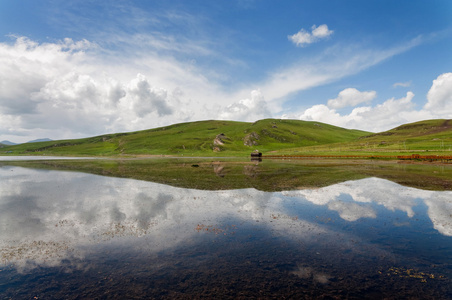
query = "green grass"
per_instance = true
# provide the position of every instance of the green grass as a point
(197, 138)
(431, 137)
(269, 136)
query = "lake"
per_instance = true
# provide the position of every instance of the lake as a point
(75, 235)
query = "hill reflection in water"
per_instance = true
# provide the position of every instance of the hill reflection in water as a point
(92, 235)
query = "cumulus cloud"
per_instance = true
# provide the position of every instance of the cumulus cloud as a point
(440, 94)
(351, 97)
(69, 89)
(249, 109)
(303, 37)
(26, 66)
(147, 99)
(386, 115)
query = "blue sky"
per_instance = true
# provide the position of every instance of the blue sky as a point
(72, 69)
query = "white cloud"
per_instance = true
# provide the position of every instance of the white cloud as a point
(440, 95)
(303, 37)
(71, 89)
(402, 84)
(384, 116)
(249, 109)
(389, 114)
(147, 99)
(26, 66)
(75, 89)
(321, 32)
(351, 97)
(331, 65)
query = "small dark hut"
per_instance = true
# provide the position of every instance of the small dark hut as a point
(256, 154)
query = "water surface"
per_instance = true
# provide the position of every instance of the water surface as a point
(75, 235)
(35, 157)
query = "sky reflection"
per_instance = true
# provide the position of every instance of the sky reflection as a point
(50, 218)
(351, 200)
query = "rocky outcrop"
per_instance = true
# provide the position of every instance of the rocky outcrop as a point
(251, 139)
(219, 140)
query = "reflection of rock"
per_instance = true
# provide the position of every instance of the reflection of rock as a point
(250, 171)
(218, 169)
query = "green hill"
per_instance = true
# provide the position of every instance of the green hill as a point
(198, 138)
(433, 136)
(425, 135)
(269, 136)
(429, 135)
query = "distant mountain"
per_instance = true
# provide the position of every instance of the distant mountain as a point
(8, 143)
(40, 140)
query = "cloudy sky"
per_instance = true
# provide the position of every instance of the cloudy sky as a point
(71, 69)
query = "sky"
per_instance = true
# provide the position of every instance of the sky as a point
(72, 69)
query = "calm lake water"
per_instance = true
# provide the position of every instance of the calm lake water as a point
(75, 236)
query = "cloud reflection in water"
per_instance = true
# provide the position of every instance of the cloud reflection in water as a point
(383, 192)
(48, 217)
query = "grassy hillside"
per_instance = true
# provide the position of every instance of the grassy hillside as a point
(198, 138)
(269, 136)
(432, 136)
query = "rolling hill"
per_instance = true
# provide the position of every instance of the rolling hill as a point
(199, 138)
(229, 138)
(423, 136)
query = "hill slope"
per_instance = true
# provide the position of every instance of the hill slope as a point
(424, 136)
(200, 138)
(228, 138)
(429, 135)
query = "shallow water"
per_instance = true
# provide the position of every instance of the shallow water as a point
(35, 157)
(75, 235)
